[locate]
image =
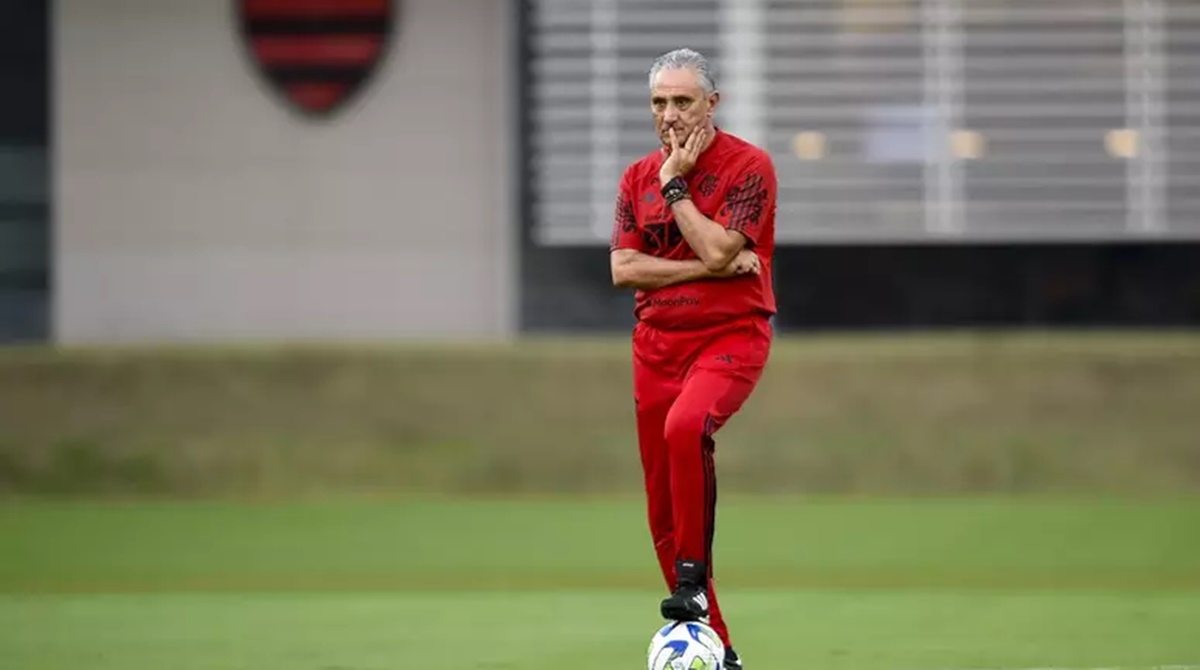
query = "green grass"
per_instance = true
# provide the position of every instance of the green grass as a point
(566, 543)
(465, 584)
(892, 415)
(122, 579)
(544, 631)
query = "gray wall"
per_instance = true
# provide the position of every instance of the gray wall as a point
(192, 205)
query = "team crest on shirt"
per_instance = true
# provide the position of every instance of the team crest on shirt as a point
(317, 55)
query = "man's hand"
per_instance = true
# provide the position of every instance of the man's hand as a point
(682, 158)
(746, 262)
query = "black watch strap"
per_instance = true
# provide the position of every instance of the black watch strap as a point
(675, 190)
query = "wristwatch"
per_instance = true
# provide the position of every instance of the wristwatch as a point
(675, 190)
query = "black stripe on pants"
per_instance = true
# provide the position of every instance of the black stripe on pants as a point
(710, 492)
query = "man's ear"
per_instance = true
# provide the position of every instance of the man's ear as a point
(714, 99)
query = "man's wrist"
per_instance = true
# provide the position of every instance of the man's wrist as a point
(675, 190)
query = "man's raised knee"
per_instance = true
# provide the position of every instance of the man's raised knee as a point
(687, 429)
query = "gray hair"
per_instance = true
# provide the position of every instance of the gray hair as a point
(685, 58)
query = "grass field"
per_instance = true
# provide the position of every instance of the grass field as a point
(1108, 414)
(513, 542)
(556, 584)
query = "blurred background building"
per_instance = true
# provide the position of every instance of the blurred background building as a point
(941, 162)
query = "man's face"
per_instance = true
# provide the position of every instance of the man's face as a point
(679, 102)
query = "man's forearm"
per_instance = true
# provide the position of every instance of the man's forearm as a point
(643, 271)
(711, 242)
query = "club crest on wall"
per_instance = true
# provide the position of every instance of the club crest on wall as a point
(316, 54)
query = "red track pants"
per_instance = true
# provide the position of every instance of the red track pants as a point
(687, 384)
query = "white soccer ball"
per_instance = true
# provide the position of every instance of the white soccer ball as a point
(686, 645)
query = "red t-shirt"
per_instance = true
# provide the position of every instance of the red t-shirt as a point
(732, 183)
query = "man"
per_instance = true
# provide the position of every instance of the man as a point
(695, 235)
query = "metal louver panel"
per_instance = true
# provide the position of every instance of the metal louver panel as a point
(846, 109)
(890, 120)
(1175, 31)
(1043, 84)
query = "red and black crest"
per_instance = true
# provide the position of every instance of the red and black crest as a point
(317, 53)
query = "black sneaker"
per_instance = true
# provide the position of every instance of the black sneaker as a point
(732, 662)
(689, 602)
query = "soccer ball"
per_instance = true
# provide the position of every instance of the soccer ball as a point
(686, 646)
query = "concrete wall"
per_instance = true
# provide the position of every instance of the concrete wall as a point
(192, 205)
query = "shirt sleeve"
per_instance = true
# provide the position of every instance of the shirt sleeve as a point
(749, 198)
(625, 233)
